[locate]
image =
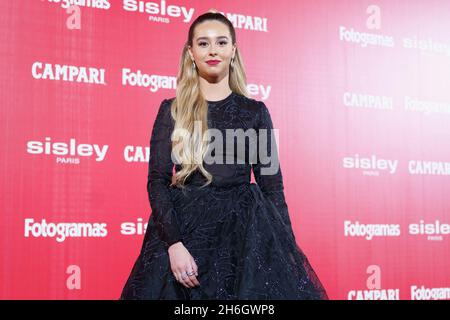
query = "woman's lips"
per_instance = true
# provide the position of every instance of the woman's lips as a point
(212, 62)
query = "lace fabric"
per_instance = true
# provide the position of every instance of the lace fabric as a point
(238, 232)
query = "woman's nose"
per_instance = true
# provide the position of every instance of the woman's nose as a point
(213, 50)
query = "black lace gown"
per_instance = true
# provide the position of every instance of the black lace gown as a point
(239, 233)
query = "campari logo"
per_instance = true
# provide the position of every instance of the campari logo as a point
(62, 72)
(374, 290)
(136, 153)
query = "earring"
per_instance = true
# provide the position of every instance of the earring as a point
(193, 65)
(232, 63)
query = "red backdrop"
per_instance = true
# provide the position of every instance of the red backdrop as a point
(359, 93)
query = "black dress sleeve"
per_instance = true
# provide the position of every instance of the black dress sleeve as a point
(160, 176)
(271, 183)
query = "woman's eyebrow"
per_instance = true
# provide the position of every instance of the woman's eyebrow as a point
(206, 38)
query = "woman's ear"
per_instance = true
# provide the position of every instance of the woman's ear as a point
(190, 53)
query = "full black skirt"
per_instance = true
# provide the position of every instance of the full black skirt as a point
(240, 244)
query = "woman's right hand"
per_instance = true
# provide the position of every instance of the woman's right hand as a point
(181, 264)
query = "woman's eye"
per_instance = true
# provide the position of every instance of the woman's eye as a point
(222, 43)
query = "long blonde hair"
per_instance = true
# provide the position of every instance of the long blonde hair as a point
(190, 106)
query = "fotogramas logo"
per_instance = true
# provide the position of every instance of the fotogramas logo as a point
(67, 152)
(152, 82)
(60, 231)
(374, 290)
(426, 107)
(95, 4)
(369, 231)
(363, 38)
(161, 11)
(433, 231)
(423, 293)
(62, 72)
(370, 165)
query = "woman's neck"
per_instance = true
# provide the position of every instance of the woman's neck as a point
(216, 90)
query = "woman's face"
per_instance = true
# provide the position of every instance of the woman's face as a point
(212, 41)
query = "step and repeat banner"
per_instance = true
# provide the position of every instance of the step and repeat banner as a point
(359, 91)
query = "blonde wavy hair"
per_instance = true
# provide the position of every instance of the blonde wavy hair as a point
(189, 105)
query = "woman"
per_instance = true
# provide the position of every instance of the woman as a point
(212, 234)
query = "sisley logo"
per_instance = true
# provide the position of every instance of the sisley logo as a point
(67, 149)
(370, 166)
(434, 231)
(374, 291)
(130, 228)
(429, 45)
(160, 8)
